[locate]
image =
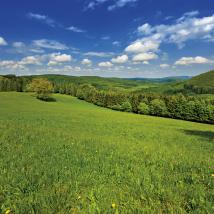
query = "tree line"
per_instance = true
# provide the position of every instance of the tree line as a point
(179, 106)
(12, 83)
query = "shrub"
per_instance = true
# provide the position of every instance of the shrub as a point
(116, 107)
(126, 106)
(143, 108)
(158, 107)
(42, 87)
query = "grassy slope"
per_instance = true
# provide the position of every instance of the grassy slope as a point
(71, 156)
(203, 80)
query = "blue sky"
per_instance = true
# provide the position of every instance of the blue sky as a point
(122, 38)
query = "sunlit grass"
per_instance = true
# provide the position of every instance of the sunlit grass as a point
(70, 156)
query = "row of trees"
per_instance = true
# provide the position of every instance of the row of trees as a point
(193, 108)
(12, 83)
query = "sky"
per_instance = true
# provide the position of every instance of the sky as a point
(110, 38)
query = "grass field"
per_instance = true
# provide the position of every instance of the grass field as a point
(70, 156)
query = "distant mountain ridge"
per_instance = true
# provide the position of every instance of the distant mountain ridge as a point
(162, 79)
(200, 84)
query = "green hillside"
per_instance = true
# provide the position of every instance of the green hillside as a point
(70, 156)
(202, 84)
(101, 82)
(203, 80)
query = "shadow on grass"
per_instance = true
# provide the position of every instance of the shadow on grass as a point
(208, 135)
(49, 99)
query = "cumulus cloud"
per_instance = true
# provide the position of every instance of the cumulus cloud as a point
(187, 27)
(30, 60)
(69, 68)
(164, 65)
(105, 64)
(21, 64)
(12, 65)
(2, 41)
(49, 44)
(142, 46)
(87, 62)
(145, 62)
(58, 58)
(192, 60)
(144, 57)
(120, 59)
(145, 29)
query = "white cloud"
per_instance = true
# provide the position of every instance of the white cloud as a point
(188, 15)
(76, 29)
(164, 65)
(117, 4)
(86, 62)
(99, 54)
(18, 44)
(192, 60)
(2, 41)
(58, 58)
(49, 44)
(93, 4)
(13, 64)
(69, 68)
(6, 63)
(116, 43)
(105, 37)
(144, 57)
(30, 60)
(120, 3)
(187, 27)
(120, 59)
(21, 47)
(142, 46)
(42, 18)
(105, 64)
(145, 29)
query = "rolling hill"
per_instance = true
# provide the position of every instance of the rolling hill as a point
(70, 156)
(203, 80)
(201, 84)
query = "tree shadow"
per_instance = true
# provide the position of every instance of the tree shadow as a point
(48, 99)
(208, 135)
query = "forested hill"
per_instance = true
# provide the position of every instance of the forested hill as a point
(203, 83)
(100, 83)
(205, 79)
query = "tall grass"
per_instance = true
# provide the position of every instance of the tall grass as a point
(73, 157)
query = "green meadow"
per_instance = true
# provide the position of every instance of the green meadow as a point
(70, 156)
